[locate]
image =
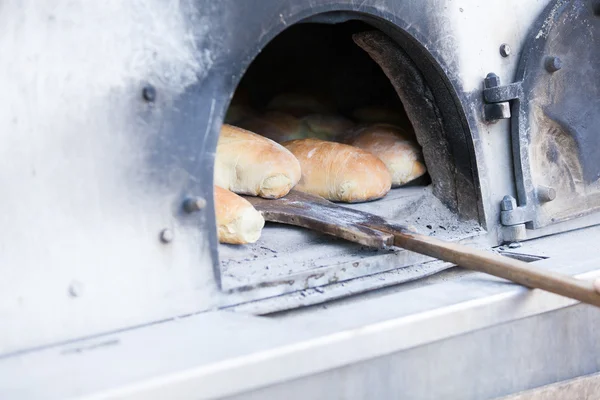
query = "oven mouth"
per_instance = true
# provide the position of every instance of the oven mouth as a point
(352, 62)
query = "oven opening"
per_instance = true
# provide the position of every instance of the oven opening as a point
(311, 73)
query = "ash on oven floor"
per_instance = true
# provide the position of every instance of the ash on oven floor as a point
(283, 250)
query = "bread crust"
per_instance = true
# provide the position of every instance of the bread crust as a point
(339, 172)
(402, 156)
(238, 222)
(247, 163)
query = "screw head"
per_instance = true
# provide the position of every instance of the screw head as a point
(166, 236)
(193, 204)
(75, 289)
(553, 64)
(149, 93)
(505, 50)
(492, 80)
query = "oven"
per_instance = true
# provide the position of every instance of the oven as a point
(112, 124)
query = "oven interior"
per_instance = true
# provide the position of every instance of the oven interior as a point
(323, 61)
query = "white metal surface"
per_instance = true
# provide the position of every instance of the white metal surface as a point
(80, 251)
(218, 354)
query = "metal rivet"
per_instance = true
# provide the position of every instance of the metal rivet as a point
(166, 236)
(505, 50)
(75, 289)
(553, 64)
(545, 193)
(193, 204)
(149, 93)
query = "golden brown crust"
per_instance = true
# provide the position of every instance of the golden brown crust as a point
(247, 163)
(238, 222)
(339, 172)
(402, 157)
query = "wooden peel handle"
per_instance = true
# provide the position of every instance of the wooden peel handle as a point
(500, 266)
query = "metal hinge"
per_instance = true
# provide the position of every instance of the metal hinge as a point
(497, 97)
(513, 219)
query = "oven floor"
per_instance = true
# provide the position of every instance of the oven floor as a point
(283, 251)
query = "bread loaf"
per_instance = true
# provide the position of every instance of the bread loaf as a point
(277, 126)
(339, 172)
(238, 222)
(327, 126)
(401, 156)
(238, 112)
(381, 114)
(247, 163)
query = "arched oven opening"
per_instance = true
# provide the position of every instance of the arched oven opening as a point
(351, 75)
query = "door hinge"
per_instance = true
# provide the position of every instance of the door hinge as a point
(513, 219)
(497, 97)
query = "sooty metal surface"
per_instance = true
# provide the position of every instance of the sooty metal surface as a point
(556, 141)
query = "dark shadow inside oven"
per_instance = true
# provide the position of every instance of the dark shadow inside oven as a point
(362, 76)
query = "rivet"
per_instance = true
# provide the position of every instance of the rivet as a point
(149, 93)
(75, 289)
(505, 50)
(553, 64)
(193, 204)
(166, 236)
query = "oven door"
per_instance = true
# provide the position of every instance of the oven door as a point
(555, 117)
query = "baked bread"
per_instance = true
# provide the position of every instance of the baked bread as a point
(238, 222)
(276, 125)
(381, 114)
(247, 163)
(327, 126)
(339, 172)
(237, 113)
(402, 157)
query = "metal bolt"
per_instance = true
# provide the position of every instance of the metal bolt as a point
(75, 289)
(492, 80)
(553, 64)
(194, 204)
(508, 203)
(505, 50)
(545, 193)
(149, 93)
(166, 236)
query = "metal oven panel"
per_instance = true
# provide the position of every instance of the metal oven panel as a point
(94, 141)
(556, 118)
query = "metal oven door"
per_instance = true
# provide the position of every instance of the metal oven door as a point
(555, 118)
